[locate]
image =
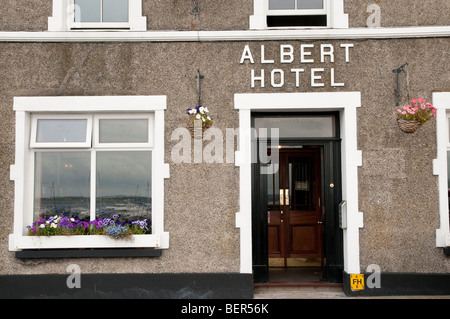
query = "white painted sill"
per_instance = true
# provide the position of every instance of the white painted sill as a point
(20, 242)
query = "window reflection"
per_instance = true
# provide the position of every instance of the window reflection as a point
(101, 10)
(115, 10)
(123, 184)
(61, 130)
(281, 4)
(309, 4)
(87, 10)
(448, 176)
(295, 4)
(123, 131)
(62, 184)
(295, 126)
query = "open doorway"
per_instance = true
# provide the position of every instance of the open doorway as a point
(296, 237)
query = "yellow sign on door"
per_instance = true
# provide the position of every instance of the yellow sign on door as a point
(357, 281)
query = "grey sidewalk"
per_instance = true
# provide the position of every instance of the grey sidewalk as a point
(279, 292)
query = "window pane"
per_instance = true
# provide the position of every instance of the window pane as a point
(281, 4)
(123, 131)
(448, 177)
(309, 4)
(305, 126)
(87, 10)
(448, 125)
(115, 10)
(61, 130)
(448, 172)
(124, 184)
(61, 184)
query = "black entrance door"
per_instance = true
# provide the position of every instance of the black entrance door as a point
(295, 209)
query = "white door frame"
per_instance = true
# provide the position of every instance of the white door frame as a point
(344, 102)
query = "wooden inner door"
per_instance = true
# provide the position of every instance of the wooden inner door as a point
(295, 214)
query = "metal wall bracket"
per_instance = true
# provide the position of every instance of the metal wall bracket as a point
(196, 10)
(199, 78)
(397, 91)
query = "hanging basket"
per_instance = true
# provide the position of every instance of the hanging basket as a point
(196, 132)
(408, 126)
(197, 129)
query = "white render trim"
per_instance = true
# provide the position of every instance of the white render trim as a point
(232, 35)
(134, 103)
(335, 11)
(441, 100)
(81, 241)
(23, 166)
(344, 102)
(63, 15)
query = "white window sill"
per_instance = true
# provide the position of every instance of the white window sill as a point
(20, 242)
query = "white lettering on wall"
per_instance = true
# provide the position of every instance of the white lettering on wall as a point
(305, 53)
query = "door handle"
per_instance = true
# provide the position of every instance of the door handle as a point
(286, 196)
(282, 197)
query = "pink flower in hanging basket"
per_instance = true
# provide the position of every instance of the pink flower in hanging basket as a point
(419, 110)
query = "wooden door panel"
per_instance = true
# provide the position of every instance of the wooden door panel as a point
(304, 241)
(274, 242)
(303, 217)
(275, 234)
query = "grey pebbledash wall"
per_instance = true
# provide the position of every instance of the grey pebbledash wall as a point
(397, 190)
(31, 15)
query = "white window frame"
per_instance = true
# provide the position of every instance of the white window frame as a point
(37, 117)
(441, 101)
(62, 18)
(334, 9)
(22, 171)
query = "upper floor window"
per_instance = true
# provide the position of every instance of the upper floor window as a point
(101, 11)
(97, 14)
(298, 13)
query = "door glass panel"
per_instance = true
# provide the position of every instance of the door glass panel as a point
(281, 4)
(273, 191)
(309, 4)
(87, 10)
(62, 184)
(124, 184)
(302, 188)
(123, 131)
(115, 10)
(61, 130)
(291, 126)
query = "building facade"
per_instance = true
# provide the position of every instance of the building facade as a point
(304, 161)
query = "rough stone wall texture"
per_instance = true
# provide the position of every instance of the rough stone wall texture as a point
(397, 190)
(31, 15)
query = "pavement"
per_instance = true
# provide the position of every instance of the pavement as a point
(319, 292)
